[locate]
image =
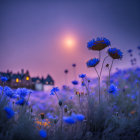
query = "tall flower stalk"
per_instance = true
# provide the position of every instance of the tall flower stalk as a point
(79, 94)
(54, 92)
(98, 45)
(114, 54)
(110, 69)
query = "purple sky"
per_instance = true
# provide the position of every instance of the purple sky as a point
(30, 33)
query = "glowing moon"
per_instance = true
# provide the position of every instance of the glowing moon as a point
(69, 42)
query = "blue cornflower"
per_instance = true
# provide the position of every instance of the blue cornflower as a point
(50, 116)
(129, 50)
(133, 97)
(65, 87)
(54, 90)
(112, 89)
(83, 84)
(75, 82)
(43, 133)
(52, 93)
(92, 62)
(115, 53)
(66, 71)
(138, 47)
(9, 112)
(82, 75)
(78, 117)
(69, 120)
(70, 97)
(21, 102)
(9, 92)
(73, 65)
(98, 44)
(4, 79)
(22, 92)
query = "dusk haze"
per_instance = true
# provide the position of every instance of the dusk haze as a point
(69, 69)
(33, 34)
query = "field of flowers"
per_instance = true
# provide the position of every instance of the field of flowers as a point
(96, 109)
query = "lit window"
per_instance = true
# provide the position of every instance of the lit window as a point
(27, 78)
(17, 80)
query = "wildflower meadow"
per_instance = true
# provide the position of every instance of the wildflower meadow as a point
(106, 108)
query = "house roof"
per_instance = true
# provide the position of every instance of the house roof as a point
(20, 76)
(49, 79)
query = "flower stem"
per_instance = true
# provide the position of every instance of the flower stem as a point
(97, 72)
(103, 65)
(61, 118)
(110, 69)
(80, 105)
(28, 97)
(98, 83)
(87, 87)
(57, 96)
(61, 113)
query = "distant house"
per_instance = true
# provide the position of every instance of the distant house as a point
(43, 83)
(23, 79)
